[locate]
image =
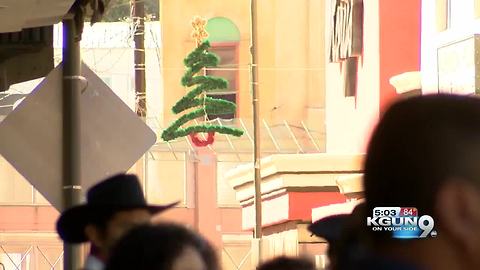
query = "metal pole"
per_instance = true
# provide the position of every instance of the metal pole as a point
(256, 125)
(138, 17)
(71, 131)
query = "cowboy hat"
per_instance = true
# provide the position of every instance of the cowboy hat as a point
(329, 228)
(117, 193)
(333, 228)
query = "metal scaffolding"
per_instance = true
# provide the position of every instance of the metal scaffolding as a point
(276, 138)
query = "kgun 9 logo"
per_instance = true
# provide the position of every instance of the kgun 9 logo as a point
(403, 222)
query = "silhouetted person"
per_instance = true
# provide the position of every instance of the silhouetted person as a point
(345, 234)
(164, 246)
(425, 153)
(113, 207)
(287, 263)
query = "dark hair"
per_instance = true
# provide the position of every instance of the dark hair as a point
(420, 143)
(287, 263)
(155, 247)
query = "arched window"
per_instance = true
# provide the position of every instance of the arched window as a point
(224, 37)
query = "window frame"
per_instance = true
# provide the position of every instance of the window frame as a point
(235, 45)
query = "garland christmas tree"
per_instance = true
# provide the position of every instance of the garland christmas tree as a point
(195, 62)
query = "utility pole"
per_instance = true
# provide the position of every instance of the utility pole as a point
(71, 129)
(137, 8)
(138, 18)
(256, 127)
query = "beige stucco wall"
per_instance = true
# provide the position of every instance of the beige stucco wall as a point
(177, 43)
(349, 120)
(290, 55)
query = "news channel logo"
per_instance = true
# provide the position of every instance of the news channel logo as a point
(403, 222)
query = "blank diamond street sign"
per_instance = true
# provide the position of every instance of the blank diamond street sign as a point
(113, 137)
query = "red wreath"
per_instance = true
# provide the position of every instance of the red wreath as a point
(202, 143)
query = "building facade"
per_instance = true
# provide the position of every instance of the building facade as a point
(28, 239)
(316, 114)
(449, 46)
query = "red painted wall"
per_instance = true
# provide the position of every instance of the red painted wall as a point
(400, 32)
(28, 218)
(205, 216)
(302, 203)
(289, 206)
(206, 202)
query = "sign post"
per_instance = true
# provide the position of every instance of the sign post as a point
(71, 170)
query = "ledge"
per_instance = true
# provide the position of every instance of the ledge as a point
(351, 185)
(294, 170)
(294, 184)
(334, 209)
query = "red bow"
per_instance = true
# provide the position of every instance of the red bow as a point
(202, 143)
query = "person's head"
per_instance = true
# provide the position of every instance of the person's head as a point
(330, 228)
(287, 263)
(344, 234)
(425, 153)
(164, 246)
(114, 206)
(105, 229)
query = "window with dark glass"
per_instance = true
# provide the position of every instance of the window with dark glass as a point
(227, 69)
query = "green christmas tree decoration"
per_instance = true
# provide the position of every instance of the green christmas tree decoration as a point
(197, 100)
